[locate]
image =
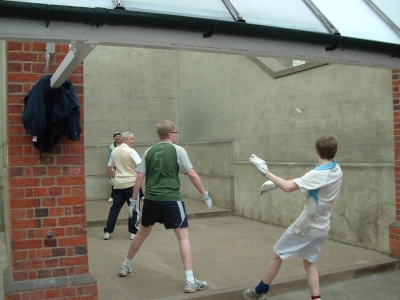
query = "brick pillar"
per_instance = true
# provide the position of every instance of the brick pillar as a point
(47, 211)
(394, 229)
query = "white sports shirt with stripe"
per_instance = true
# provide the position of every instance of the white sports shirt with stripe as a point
(322, 185)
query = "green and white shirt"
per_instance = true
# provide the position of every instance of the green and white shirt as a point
(161, 164)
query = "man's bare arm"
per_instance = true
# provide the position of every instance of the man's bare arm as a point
(138, 184)
(196, 181)
(109, 172)
(286, 185)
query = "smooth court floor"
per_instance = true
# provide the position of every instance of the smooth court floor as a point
(230, 253)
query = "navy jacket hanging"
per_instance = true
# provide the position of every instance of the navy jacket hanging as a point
(51, 113)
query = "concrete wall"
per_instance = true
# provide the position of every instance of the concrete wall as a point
(226, 108)
(229, 97)
(126, 89)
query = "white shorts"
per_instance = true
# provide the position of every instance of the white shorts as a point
(306, 247)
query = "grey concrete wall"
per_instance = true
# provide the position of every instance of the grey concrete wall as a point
(229, 97)
(126, 89)
(213, 161)
(226, 108)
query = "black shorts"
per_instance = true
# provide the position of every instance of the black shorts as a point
(170, 213)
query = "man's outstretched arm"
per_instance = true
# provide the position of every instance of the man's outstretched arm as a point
(196, 181)
(138, 184)
(286, 185)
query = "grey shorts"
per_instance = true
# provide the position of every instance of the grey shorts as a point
(305, 247)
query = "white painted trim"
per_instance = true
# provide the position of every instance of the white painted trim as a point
(77, 53)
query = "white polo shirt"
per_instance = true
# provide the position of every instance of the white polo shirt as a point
(322, 185)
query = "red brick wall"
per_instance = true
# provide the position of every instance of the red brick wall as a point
(394, 229)
(47, 209)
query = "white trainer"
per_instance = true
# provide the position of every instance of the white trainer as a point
(132, 236)
(251, 294)
(110, 199)
(124, 270)
(196, 286)
(107, 235)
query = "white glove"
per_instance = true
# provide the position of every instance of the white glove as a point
(131, 207)
(267, 186)
(207, 200)
(259, 163)
(111, 181)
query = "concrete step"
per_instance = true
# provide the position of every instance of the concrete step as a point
(97, 212)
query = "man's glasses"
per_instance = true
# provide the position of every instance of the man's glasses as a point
(174, 132)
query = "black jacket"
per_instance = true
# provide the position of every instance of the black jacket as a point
(51, 113)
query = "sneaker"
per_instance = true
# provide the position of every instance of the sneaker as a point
(251, 294)
(132, 236)
(196, 286)
(110, 199)
(124, 270)
(107, 235)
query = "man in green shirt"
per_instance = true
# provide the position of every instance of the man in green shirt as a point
(160, 165)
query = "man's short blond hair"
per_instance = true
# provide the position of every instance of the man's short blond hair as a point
(165, 127)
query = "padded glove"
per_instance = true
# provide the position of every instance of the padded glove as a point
(207, 200)
(259, 163)
(267, 186)
(111, 181)
(131, 207)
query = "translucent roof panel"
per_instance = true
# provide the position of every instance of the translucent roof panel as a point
(81, 3)
(293, 14)
(209, 9)
(356, 19)
(391, 8)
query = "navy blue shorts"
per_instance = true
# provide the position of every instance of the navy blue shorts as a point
(170, 213)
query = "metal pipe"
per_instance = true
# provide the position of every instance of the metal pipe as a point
(233, 11)
(118, 4)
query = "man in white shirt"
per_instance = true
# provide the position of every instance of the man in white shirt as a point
(124, 159)
(308, 233)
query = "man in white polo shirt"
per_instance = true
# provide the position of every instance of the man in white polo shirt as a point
(124, 159)
(308, 233)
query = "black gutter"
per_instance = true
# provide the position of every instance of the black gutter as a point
(115, 17)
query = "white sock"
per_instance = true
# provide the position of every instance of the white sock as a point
(127, 262)
(189, 276)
